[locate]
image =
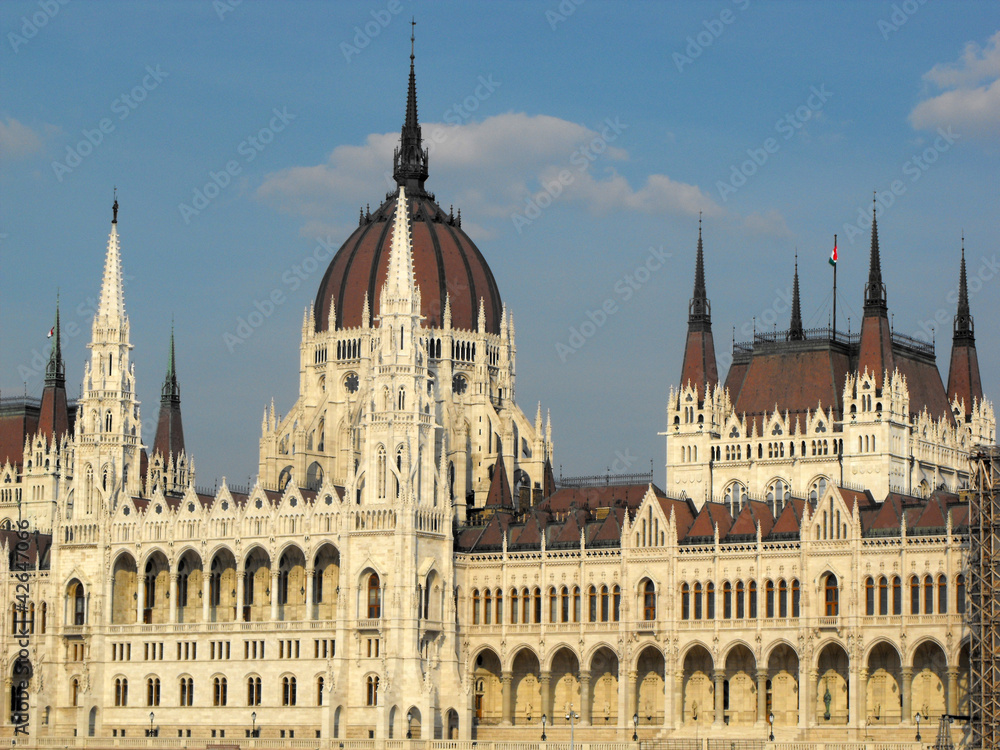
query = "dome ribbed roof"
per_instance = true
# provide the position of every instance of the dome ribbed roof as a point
(445, 261)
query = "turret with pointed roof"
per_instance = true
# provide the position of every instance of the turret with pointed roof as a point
(53, 418)
(699, 365)
(875, 353)
(169, 430)
(964, 381)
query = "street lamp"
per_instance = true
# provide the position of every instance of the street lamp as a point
(635, 727)
(151, 716)
(570, 717)
(917, 717)
(543, 727)
(770, 724)
(253, 723)
(409, 718)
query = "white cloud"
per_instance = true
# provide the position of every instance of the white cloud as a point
(490, 168)
(17, 140)
(970, 93)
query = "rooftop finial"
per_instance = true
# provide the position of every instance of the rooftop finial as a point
(699, 309)
(114, 208)
(963, 318)
(413, 29)
(410, 159)
(795, 330)
(875, 298)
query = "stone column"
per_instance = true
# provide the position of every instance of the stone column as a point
(678, 699)
(862, 699)
(904, 690)
(206, 592)
(507, 687)
(852, 697)
(631, 699)
(544, 683)
(310, 576)
(241, 575)
(761, 696)
(953, 690)
(274, 595)
(173, 597)
(140, 597)
(720, 676)
(807, 697)
(585, 707)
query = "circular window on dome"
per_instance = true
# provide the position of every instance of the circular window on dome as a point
(351, 382)
(459, 384)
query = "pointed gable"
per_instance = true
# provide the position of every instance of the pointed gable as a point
(752, 514)
(500, 495)
(712, 515)
(789, 522)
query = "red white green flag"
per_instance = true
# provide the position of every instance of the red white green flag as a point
(833, 255)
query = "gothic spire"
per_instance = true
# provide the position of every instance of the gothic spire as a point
(55, 370)
(410, 160)
(875, 299)
(963, 319)
(53, 418)
(169, 429)
(399, 279)
(699, 309)
(795, 331)
(112, 304)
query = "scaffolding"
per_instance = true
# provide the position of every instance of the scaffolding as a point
(984, 598)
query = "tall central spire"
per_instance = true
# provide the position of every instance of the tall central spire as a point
(964, 330)
(795, 330)
(112, 304)
(410, 159)
(875, 299)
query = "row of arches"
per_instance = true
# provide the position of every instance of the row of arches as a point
(563, 604)
(927, 595)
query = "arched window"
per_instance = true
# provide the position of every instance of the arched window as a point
(220, 692)
(960, 594)
(499, 600)
(883, 596)
(617, 598)
(253, 691)
(782, 598)
(320, 682)
(914, 595)
(538, 605)
(592, 604)
(288, 691)
(604, 604)
(487, 607)
(928, 595)
(752, 596)
(371, 698)
(374, 597)
(513, 606)
(553, 605)
(74, 693)
(795, 597)
(727, 601)
(475, 607)
(685, 602)
(769, 598)
(187, 692)
(869, 596)
(648, 601)
(153, 691)
(121, 691)
(942, 583)
(740, 601)
(564, 601)
(831, 598)
(576, 604)
(697, 600)
(380, 471)
(710, 601)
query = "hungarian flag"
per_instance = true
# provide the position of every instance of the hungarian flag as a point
(833, 255)
(52, 332)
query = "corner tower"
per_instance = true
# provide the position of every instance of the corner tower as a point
(699, 366)
(964, 382)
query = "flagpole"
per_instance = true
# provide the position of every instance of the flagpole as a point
(835, 291)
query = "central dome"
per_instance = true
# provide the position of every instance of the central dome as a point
(446, 262)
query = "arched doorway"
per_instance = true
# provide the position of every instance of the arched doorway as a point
(699, 708)
(525, 684)
(190, 582)
(326, 582)
(783, 686)
(882, 702)
(649, 676)
(20, 704)
(739, 688)
(930, 675)
(832, 697)
(488, 691)
(123, 590)
(565, 682)
(604, 688)
(452, 724)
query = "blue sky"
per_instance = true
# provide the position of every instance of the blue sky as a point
(776, 120)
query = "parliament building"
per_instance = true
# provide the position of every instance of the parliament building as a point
(406, 564)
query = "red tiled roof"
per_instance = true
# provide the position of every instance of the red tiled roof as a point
(964, 381)
(499, 495)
